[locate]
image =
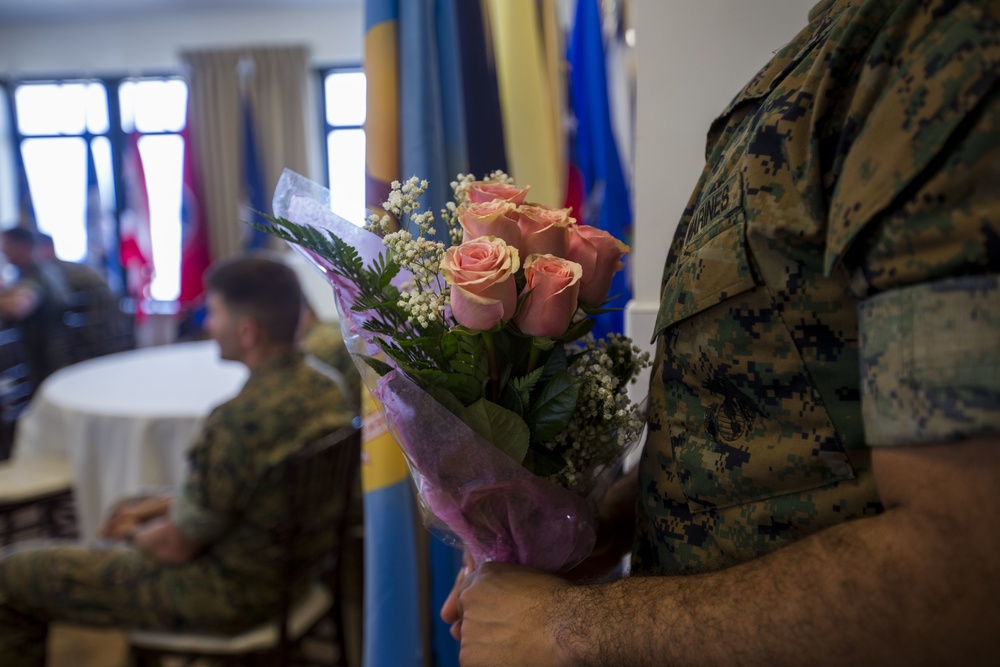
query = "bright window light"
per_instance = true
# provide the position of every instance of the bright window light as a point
(345, 98)
(162, 160)
(61, 108)
(57, 176)
(158, 105)
(346, 151)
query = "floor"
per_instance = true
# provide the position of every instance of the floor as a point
(71, 646)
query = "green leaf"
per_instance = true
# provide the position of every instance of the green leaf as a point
(554, 406)
(377, 365)
(556, 362)
(600, 311)
(447, 399)
(449, 346)
(578, 330)
(503, 428)
(511, 399)
(543, 343)
(386, 276)
(524, 384)
(544, 462)
(463, 387)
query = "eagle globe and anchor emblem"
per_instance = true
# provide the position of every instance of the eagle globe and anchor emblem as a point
(734, 417)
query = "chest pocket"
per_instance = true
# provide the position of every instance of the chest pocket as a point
(744, 419)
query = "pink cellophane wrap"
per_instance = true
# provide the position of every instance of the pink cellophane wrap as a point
(472, 494)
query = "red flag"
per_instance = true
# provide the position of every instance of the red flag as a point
(135, 245)
(195, 256)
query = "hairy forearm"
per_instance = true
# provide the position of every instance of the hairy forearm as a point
(909, 586)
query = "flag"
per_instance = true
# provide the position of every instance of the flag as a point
(392, 587)
(595, 152)
(254, 199)
(529, 98)
(480, 97)
(393, 622)
(26, 207)
(432, 116)
(135, 250)
(417, 126)
(433, 146)
(195, 255)
(97, 254)
(382, 99)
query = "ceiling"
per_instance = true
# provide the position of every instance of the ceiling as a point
(41, 10)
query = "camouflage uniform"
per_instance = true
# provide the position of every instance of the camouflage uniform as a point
(834, 283)
(94, 324)
(232, 501)
(325, 342)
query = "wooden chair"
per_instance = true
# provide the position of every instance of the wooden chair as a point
(16, 384)
(33, 494)
(326, 468)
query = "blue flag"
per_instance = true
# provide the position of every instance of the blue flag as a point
(254, 198)
(606, 196)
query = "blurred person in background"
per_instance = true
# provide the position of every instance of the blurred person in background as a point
(35, 302)
(204, 559)
(95, 324)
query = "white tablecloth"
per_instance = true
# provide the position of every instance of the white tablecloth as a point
(125, 421)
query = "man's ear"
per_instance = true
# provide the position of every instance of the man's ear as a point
(250, 332)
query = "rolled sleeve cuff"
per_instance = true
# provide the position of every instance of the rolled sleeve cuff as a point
(195, 522)
(930, 362)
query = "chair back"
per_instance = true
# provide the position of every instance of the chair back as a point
(319, 486)
(16, 384)
(93, 325)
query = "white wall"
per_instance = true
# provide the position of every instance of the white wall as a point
(692, 58)
(134, 45)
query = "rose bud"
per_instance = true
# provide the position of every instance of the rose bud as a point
(554, 285)
(494, 218)
(544, 230)
(600, 254)
(480, 192)
(481, 275)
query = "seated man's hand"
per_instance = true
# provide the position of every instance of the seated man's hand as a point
(127, 515)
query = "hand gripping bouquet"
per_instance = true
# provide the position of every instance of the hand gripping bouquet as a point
(511, 417)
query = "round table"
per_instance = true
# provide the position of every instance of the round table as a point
(125, 421)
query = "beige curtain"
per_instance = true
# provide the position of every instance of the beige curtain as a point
(274, 80)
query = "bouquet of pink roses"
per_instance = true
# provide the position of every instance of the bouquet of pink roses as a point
(512, 418)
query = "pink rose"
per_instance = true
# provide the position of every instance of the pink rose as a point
(480, 192)
(481, 275)
(600, 254)
(494, 218)
(555, 285)
(544, 230)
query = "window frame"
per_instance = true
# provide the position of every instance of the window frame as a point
(325, 127)
(115, 135)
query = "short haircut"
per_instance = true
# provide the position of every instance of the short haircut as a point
(44, 241)
(263, 289)
(20, 235)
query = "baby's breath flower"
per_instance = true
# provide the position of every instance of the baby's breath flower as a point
(423, 299)
(605, 420)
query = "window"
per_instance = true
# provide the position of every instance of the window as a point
(67, 159)
(72, 136)
(344, 107)
(157, 110)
